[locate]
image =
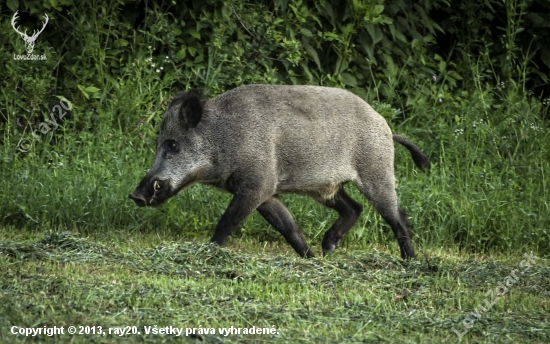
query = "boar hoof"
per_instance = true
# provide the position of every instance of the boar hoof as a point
(328, 249)
(330, 245)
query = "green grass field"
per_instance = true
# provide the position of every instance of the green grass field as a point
(361, 293)
(75, 251)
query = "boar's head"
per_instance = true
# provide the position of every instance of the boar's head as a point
(181, 152)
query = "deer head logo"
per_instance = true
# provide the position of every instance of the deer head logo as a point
(29, 41)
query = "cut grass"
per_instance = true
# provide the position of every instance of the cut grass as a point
(358, 294)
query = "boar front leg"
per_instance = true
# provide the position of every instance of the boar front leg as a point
(272, 210)
(280, 218)
(239, 208)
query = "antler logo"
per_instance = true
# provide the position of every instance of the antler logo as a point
(29, 41)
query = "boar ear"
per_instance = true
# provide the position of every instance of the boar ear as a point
(190, 112)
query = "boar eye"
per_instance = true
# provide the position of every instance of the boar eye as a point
(171, 145)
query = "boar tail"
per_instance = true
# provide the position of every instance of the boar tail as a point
(420, 160)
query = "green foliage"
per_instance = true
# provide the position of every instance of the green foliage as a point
(464, 79)
(511, 36)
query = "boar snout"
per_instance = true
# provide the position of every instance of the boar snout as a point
(152, 193)
(139, 198)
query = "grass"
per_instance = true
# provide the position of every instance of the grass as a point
(76, 251)
(358, 294)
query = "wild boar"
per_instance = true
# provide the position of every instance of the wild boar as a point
(260, 141)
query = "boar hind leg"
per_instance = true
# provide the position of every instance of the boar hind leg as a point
(279, 217)
(349, 212)
(383, 197)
